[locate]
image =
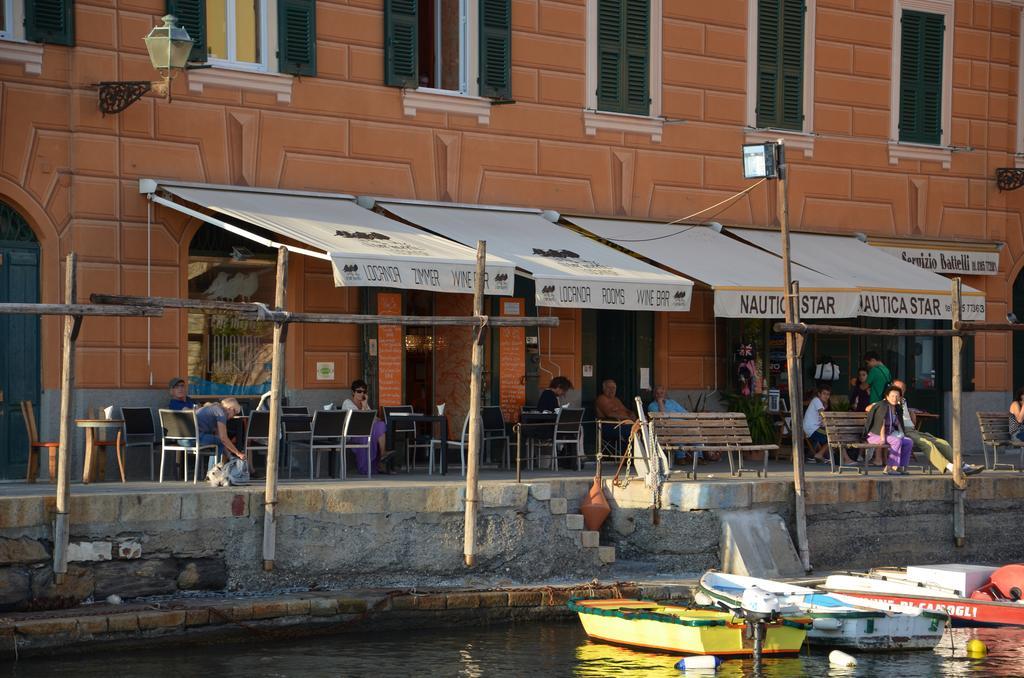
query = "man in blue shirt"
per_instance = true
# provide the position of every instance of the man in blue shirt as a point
(662, 403)
(212, 420)
(179, 395)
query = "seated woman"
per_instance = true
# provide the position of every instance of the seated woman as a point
(814, 427)
(1017, 415)
(551, 397)
(360, 402)
(860, 393)
(884, 426)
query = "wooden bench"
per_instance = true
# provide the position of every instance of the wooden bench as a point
(709, 432)
(995, 433)
(845, 431)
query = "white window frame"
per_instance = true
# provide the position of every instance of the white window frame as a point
(594, 119)
(900, 150)
(13, 46)
(7, 30)
(463, 50)
(467, 101)
(802, 139)
(263, 26)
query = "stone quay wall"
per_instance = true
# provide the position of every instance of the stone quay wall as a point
(347, 537)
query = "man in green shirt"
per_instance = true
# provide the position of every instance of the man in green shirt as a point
(879, 375)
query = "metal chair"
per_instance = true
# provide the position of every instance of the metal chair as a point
(357, 424)
(398, 425)
(181, 434)
(294, 409)
(140, 432)
(295, 427)
(257, 436)
(568, 431)
(326, 435)
(494, 429)
(462, 444)
(36, 446)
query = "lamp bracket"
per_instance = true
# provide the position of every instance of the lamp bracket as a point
(1009, 178)
(119, 95)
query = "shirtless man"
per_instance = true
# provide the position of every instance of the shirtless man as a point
(611, 409)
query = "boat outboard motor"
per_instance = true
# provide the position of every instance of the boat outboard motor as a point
(758, 607)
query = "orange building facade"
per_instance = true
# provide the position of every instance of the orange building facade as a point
(72, 173)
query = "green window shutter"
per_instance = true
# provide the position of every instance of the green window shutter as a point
(920, 113)
(401, 44)
(191, 16)
(296, 36)
(637, 55)
(609, 55)
(51, 21)
(623, 56)
(496, 49)
(780, 63)
(792, 53)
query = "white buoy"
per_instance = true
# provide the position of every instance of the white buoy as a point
(837, 658)
(701, 661)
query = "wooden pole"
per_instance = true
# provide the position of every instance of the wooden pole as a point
(253, 312)
(846, 330)
(274, 442)
(959, 480)
(793, 350)
(67, 384)
(147, 311)
(475, 421)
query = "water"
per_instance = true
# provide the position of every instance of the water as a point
(537, 650)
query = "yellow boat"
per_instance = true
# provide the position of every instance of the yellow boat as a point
(680, 629)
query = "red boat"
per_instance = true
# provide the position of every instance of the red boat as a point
(972, 595)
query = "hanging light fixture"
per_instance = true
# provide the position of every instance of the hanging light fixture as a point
(169, 46)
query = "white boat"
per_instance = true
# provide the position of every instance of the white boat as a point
(973, 595)
(836, 620)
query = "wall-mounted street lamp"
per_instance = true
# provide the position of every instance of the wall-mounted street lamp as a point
(169, 46)
(1009, 178)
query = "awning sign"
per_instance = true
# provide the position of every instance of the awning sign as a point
(919, 306)
(612, 294)
(768, 304)
(970, 262)
(352, 271)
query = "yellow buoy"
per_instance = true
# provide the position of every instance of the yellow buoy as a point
(976, 649)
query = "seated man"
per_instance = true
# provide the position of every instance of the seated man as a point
(611, 409)
(940, 454)
(212, 419)
(662, 403)
(814, 427)
(179, 395)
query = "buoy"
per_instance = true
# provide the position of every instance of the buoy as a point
(837, 658)
(976, 649)
(702, 661)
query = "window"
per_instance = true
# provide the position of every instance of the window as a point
(623, 56)
(235, 33)
(920, 117)
(440, 45)
(6, 19)
(623, 84)
(922, 82)
(780, 64)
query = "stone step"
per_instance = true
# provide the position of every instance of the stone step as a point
(606, 554)
(574, 521)
(559, 506)
(590, 538)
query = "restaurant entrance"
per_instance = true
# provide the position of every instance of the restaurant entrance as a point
(622, 346)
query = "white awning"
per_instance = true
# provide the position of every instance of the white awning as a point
(365, 248)
(889, 288)
(747, 281)
(570, 270)
(943, 256)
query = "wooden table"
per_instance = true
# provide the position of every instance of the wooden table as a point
(921, 418)
(97, 464)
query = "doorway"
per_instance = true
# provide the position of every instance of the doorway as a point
(624, 343)
(19, 335)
